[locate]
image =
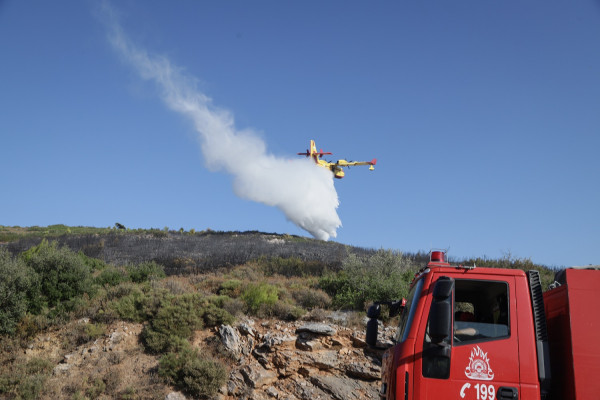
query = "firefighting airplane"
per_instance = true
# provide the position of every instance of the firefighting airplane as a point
(335, 167)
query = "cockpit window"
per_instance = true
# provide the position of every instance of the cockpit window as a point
(409, 311)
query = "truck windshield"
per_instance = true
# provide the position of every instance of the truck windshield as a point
(409, 311)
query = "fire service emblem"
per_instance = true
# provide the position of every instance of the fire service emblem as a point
(479, 366)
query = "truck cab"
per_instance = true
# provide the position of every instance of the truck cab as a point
(465, 333)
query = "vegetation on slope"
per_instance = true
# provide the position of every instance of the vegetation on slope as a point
(49, 286)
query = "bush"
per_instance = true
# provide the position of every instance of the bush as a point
(213, 315)
(145, 271)
(283, 310)
(63, 275)
(32, 386)
(135, 303)
(174, 322)
(289, 267)
(258, 295)
(130, 307)
(111, 276)
(192, 373)
(234, 307)
(311, 298)
(26, 380)
(94, 263)
(156, 341)
(15, 282)
(384, 275)
(95, 388)
(231, 288)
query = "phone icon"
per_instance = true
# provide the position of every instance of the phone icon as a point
(462, 391)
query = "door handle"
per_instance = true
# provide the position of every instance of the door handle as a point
(508, 393)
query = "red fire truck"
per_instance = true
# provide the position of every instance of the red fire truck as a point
(491, 334)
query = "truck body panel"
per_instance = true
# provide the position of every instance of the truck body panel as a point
(573, 320)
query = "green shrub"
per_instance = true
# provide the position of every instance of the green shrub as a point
(135, 303)
(36, 365)
(129, 307)
(384, 275)
(25, 380)
(93, 263)
(30, 325)
(63, 275)
(283, 310)
(15, 283)
(234, 307)
(289, 267)
(192, 373)
(110, 276)
(145, 271)
(175, 321)
(31, 387)
(231, 288)
(95, 388)
(311, 298)
(81, 333)
(260, 294)
(212, 315)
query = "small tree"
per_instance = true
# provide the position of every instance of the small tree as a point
(15, 282)
(384, 275)
(63, 274)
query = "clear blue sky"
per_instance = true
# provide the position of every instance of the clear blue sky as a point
(484, 118)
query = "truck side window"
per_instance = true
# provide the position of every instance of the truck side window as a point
(480, 311)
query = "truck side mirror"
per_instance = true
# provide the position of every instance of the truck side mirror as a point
(440, 317)
(396, 307)
(372, 325)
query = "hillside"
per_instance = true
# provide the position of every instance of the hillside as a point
(158, 314)
(185, 252)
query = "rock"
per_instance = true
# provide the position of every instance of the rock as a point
(358, 341)
(230, 339)
(235, 383)
(261, 356)
(307, 344)
(246, 329)
(270, 341)
(323, 360)
(61, 369)
(338, 317)
(175, 396)
(341, 388)
(257, 377)
(317, 329)
(363, 371)
(272, 392)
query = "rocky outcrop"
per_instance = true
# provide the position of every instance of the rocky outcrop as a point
(268, 359)
(279, 360)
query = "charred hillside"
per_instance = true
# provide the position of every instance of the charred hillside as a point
(185, 253)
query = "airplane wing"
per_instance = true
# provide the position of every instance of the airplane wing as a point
(344, 163)
(319, 153)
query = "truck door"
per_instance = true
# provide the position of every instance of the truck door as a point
(481, 356)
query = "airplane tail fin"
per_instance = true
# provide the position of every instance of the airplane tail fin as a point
(313, 147)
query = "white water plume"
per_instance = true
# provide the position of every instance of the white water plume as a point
(302, 191)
